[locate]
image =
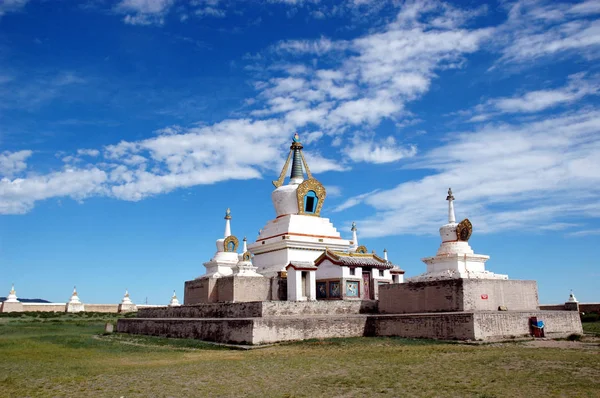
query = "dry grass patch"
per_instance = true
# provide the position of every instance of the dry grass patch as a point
(66, 359)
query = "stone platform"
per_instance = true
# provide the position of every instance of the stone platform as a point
(270, 322)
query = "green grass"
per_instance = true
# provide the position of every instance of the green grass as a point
(69, 357)
(592, 328)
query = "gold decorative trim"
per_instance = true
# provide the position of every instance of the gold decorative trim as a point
(246, 256)
(362, 250)
(279, 182)
(228, 240)
(308, 173)
(311, 185)
(464, 229)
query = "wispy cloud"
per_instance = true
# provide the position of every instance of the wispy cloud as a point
(144, 12)
(578, 87)
(7, 6)
(536, 29)
(504, 176)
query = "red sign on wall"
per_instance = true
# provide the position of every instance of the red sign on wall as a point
(484, 296)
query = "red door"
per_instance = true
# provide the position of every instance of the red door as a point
(366, 285)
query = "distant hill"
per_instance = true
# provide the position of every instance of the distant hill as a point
(24, 300)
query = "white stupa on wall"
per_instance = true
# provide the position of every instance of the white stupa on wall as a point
(12, 296)
(75, 304)
(455, 258)
(174, 301)
(226, 258)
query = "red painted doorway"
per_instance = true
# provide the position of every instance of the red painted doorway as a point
(366, 285)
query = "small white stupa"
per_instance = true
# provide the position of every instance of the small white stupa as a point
(12, 303)
(126, 304)
(455, 259)
(12, 296)
(174, 301)
(75, 304)
(226, 257)
(572, 298)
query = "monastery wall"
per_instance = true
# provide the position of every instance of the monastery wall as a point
(45, 307)
(243, 289)
(583, 307)
(109, 308)
(237, 331)
(451, 326)
(489, 294)
(419, 297)
(458, 295)
(492, 325)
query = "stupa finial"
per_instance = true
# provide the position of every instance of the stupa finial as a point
(450, 199)
(354, 236)
(227, 223)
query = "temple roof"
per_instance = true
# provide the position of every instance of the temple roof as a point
(302, 265)
(368, 260)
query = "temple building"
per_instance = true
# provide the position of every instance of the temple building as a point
(297, 256)
(301, 279)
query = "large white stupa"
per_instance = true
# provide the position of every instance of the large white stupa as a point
(298, 233)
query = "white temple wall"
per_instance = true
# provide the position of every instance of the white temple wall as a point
(328, 270)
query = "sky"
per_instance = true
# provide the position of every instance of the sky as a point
(128, 127)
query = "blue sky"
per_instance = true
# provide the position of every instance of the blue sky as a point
(128, 127)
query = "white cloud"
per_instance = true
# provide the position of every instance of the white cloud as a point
(88, 152)
(537, 29)
(7, 6)
(504, 176)
(19, 195)
(385, 151)
(577, 88)
(12, 163)
(144, 12)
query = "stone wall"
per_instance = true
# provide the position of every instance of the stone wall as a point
(261, 309)
(489, 294)
(494, 325)
(337, 307)
(243, 289)
(109, 308)
(448, 326)
(238, 331)
(200, 291)
(458, 295)
(215, 310)
(421, 297)
(583, 307)
(482, 325)
(275, 329)
(45, 307)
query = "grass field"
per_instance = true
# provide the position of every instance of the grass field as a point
(68, 356)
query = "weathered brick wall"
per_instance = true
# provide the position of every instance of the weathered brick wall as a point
(449, 326)
(243, 289)
(200, 291)
(337, 307)
(101, 308)
(215, 310)
(237, 331)
(39, 307)
(583, 307)
(490, 325)
(489, 294)
(271, 330)
(458, 295)
(420, 297)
